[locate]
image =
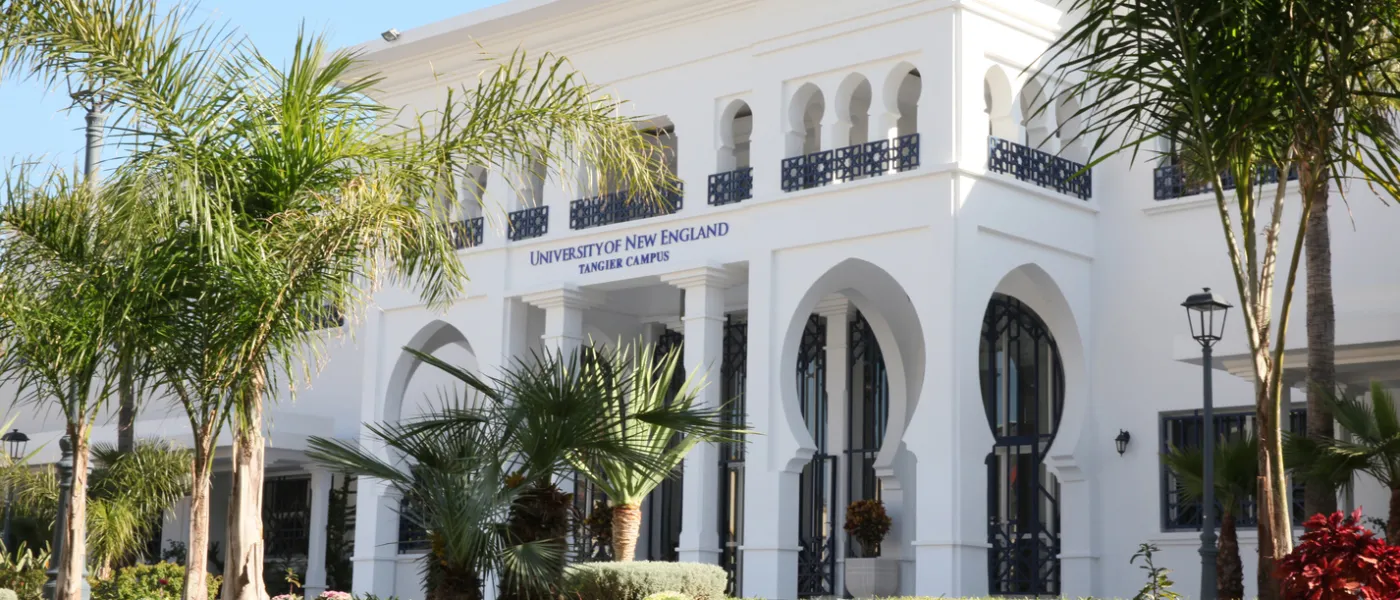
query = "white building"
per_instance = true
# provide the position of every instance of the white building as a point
(858, 260)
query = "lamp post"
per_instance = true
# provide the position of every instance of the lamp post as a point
(1201, 313)
(14, 442)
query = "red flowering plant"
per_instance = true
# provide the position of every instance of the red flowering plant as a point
(1337, 559)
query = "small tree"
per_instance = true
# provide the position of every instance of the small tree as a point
(1236, 474)
(867, 522)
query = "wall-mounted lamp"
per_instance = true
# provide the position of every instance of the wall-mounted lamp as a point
(1122, 441)
(390, 35)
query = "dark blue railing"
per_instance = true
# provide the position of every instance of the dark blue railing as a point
(467, 233)
(529, 223)
(620, 207)
(731, 186)
(851, 162)
(1169, 181)
(1041, 168)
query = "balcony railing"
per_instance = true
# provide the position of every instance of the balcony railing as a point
(529, 223)
(851, 162)
(620, 207)
(1169, 181)
(731, 186)
(1041, 168)
(466, 234)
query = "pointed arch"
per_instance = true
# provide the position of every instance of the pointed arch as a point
(431, 338)
(1002, 114)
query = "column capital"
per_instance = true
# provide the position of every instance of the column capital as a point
(565, 297)
(706, 276)
(834, 306)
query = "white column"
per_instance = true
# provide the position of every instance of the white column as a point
(316, 547)
(704, 351)
(376, 522)
(694, 130)
(563, 317)
(837, 311)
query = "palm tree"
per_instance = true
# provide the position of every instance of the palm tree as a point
(1177, 69)
(292, 187)
(626, 484)
(1374, 448)
(1352, 52)
(1236, 470)
(68, 285)
(490, 457)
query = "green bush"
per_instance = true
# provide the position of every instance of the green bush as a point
(23, 573)
(160, 581)
(638, 580)
(8, 594)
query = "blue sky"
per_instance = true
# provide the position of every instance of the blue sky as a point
(36, 124)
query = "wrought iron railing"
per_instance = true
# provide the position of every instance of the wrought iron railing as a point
(1041, 168)
(467, 233)
(731, 186)
(529, 223)
(870, 159)
(1179, 511)
(1169, 181)
(620, 207)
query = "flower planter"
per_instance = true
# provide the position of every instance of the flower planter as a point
(872, 577)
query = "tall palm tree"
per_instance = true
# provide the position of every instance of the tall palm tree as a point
(1236, 470)
(626, 484)
(1179, 69)
(1374, 448)
(293, 186)
(1346, 82)
(487, 455)
(68, 285)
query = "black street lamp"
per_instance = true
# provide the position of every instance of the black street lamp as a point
(14, 442)
(1205, 312)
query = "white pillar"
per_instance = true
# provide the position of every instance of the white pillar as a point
(316, 547)
(376, 519)
(704, 352)
(837, 311)
(563, 317)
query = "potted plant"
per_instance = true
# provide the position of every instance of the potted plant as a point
(870, 576)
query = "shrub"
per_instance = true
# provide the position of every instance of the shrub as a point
(160, 581)
(867, 522)
(639, 580)
(1337, 559)
(23, 573)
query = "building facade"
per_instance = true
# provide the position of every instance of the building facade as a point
(880, 258)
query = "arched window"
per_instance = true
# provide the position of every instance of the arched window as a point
(816, 559)
(996, 91)
(911, 86)
(1023, 393)
(867, 416)
(1037, 118)
(732, 181)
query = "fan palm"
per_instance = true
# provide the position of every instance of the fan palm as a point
(1373, 448)
(127, 494)
(487, 457)
(293, 189)
(1236, 473)
(625, 483)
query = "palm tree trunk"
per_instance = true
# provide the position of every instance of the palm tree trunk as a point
(1275, 536)
(126, 412)
(196, 571)
(1319, 497)
(243, 573)
(1392, 526)
(70, 568)
(626, 527)
(1229, 567)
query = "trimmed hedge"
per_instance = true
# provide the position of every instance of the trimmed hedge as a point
(637, 580)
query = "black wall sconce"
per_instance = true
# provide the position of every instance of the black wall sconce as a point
(1122, 441)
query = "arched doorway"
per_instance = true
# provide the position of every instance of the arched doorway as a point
(1023, 393)
(867, 417)
(734, 378)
